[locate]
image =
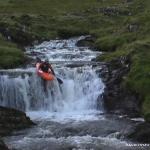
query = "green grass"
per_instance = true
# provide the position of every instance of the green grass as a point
(10, 55)
(138, 78)
(28, 20)
(47, 18)
(122, 29)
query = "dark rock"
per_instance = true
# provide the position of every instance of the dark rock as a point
(65, 33)
(74, 65)
(133, 27)
(113, 11)
(12, 119)
(17, 34)
(21, 37)
(87, 42)
(117, 98)
(141, 133)
(3, 146)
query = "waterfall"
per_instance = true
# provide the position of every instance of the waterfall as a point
(79, 91)
(66, 114)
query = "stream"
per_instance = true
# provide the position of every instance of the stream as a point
(68, 116)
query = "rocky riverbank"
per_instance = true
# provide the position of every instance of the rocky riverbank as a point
(117, 98)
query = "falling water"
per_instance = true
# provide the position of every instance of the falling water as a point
(24, 90)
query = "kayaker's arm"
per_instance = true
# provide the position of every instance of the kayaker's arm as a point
(52, 70)
(39, 67)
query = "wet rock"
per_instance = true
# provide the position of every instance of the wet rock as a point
(65, 33)
(12, 119)
(87, 42)
(116, 98)
(3, 146)
(74, 65)
(141, 133)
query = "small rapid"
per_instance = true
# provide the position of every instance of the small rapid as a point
(68, 115)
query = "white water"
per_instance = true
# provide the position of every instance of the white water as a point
(77, 96)
(66, 115)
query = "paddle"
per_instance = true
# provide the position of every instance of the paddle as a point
(59, 80)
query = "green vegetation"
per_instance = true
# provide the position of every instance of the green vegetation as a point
(10, 55)
(121, 28)
(131, 37)
(139, 76)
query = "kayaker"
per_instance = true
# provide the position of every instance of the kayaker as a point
(46, 67)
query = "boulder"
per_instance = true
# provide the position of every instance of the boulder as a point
(11, 119)
(141, 133)
(86, 42)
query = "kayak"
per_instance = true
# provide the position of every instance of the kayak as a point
(44, 75)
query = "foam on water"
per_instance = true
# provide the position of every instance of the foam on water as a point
(66, 116)
(80, 142)
(63, 50)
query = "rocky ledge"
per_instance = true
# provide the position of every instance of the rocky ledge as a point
(88, 41)
(11, 120)
(117, 98)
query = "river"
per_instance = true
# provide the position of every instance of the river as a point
(68, 116)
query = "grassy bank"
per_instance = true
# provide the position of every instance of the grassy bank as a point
(131, 37)
(10, 55)
(121, 27)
